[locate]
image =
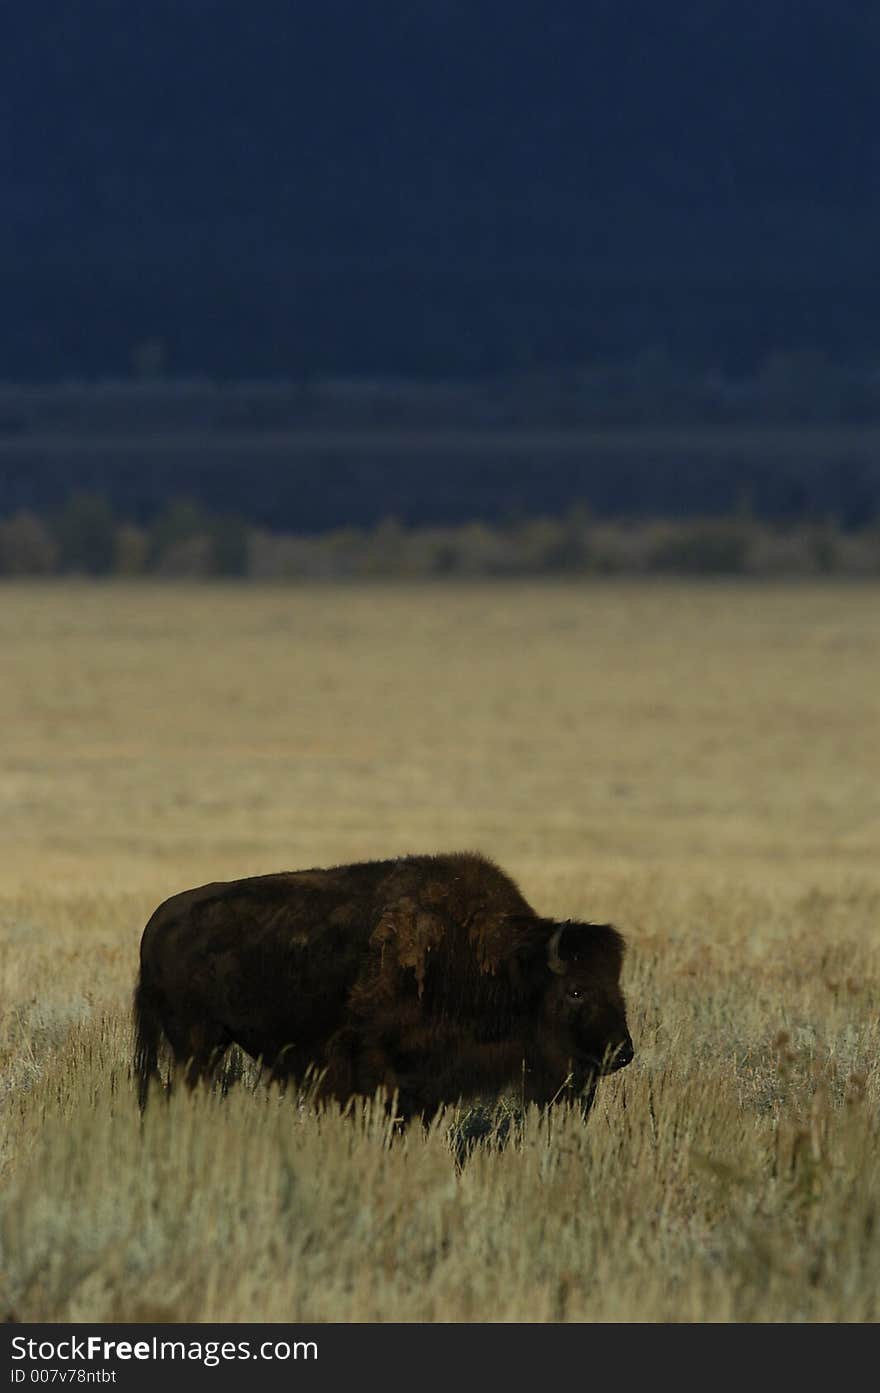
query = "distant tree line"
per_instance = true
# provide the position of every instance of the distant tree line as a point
(639, 438)
(653, 387)
(85, 537)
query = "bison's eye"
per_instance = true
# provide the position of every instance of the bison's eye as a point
(575, 994)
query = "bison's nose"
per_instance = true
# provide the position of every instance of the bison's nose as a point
(623, 1054)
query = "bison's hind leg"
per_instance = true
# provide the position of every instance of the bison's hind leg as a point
(208, 1046)
(198, 1047)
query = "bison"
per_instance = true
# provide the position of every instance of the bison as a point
(428, 976)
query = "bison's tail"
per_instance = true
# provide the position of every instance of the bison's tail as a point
(147, 1035)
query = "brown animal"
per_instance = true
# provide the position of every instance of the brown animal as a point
(428, 976)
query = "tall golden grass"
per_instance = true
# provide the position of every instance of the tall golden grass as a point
(698, 764)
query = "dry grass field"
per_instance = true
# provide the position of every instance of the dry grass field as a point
(699, 764)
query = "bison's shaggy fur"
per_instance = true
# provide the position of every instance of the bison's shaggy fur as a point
(428, 976)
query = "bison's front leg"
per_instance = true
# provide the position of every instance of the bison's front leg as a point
(364, 1065)
(356, 1066)
(338, 1078)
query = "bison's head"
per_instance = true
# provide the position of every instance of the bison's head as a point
(583, 1030)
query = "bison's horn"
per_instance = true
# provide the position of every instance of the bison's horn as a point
(554, 961)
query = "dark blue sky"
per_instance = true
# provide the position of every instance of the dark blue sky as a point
(287, 187)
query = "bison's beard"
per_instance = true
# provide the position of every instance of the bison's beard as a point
(574, 1082)
(585, 1094)
(580, 1087)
